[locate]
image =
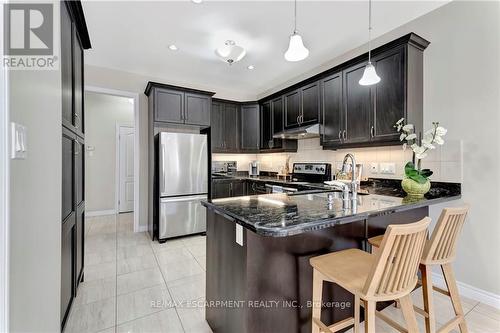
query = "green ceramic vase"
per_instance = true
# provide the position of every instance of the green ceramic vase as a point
(415, 189)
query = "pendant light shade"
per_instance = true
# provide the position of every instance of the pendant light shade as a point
(296, 49)
(370, 74)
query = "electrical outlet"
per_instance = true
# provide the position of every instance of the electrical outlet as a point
(388, 168)
(374, 167)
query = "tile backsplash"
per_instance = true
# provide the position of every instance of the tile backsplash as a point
(445, 161)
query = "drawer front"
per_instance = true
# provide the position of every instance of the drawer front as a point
(182, 216)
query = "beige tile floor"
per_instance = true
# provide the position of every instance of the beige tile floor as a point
(135, 285)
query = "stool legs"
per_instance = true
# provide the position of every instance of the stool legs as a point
(356, 313)
(316, 299)
(430, 320)
(451, 283)
(370, 316)
(409, 314)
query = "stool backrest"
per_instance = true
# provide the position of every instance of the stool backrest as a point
(395, 268)
(441, 248)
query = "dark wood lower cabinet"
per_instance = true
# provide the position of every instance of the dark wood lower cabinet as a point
(80, 242)
(67, 266)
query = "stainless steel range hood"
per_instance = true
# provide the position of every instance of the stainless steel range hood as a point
(303, 132)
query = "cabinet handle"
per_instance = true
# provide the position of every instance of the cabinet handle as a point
(372, 131)
(344, 135)
(77, 147)
(77, 117)
(298, 119)
(340, 135)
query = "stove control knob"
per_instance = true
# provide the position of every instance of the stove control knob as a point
(322, 169)
(317, 169)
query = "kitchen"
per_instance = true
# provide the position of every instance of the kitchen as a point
(296, 166)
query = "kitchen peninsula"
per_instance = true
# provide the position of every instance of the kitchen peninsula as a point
(258, 250)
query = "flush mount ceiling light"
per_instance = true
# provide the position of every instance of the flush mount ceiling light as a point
(230, 52)
(172, 47)
(296, 49)
(251, 67)
(370, 74)
(197, 1)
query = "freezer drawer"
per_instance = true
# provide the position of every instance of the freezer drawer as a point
(182, 216)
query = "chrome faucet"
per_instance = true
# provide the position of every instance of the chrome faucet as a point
(354, 183)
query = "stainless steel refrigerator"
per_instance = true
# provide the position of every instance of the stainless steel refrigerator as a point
(183, 183)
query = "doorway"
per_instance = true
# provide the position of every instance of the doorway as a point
(112, 168)
(125, 169)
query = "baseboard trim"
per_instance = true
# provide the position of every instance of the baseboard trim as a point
(469, 291)
(142, 228)
(100, 213)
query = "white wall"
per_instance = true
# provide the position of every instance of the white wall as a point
(35, 203)
(102, 113)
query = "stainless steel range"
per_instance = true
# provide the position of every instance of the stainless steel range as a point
(303, 173)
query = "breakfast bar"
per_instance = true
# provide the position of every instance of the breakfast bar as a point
(258, 249)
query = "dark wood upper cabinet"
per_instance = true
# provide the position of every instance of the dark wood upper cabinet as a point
(388, 95)
(169, 106)
(266, 123)
(310, 104)
(231, 127)
(332, 109)
(278, 121)
(66, 67)
(217, 126)
(357, 106)
(292, 109)
(78, 116)
(179, 105)
(197, 110)
(250, 127)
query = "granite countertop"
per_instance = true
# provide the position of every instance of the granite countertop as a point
(280, 214)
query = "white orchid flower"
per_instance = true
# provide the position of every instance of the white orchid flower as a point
(428, 145)
(421, 156)
(412, 136)
(402, 136)
(427, 138)
(400, 121)
(408, 128)
(441, 131)
(439, 140)
(399, 127)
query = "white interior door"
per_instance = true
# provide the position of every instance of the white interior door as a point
(126, 169)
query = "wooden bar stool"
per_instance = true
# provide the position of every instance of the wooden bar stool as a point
(391, 274)
(440, 249)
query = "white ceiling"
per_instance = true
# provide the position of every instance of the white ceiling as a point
(133, 36)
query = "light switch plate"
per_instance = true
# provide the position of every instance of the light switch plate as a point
(19, 142)
(239, 234)
(374, 167)
(388, 168)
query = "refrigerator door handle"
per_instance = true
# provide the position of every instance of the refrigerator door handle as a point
(181, 199)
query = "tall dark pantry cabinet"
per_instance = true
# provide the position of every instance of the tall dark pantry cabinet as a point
(74, 39)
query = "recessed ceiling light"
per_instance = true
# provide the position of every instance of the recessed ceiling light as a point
(172, 47)
(251, 67)
(197, 1)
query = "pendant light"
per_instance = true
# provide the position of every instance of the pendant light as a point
(296, 49)
(369, 75)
